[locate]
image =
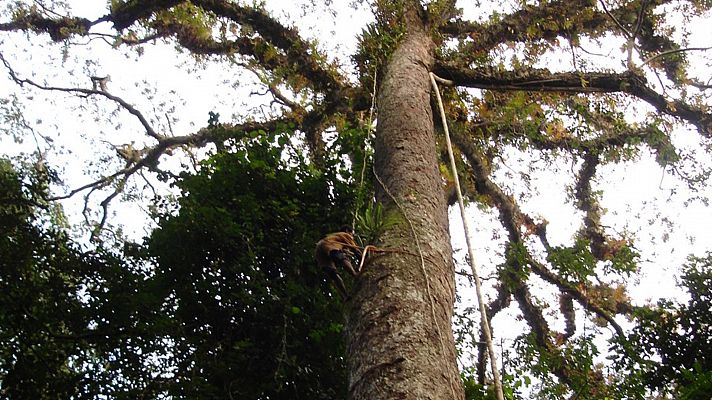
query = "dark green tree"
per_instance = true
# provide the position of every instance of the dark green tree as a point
(234, 261)
(226, 285)
(672, 338)
(60, 317)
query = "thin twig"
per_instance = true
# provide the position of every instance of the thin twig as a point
(615, 20)
(87, 92)
(665, 53)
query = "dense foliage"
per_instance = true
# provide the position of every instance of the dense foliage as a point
(235, 271)
(59, 305)
(673, 339)
(224, 298)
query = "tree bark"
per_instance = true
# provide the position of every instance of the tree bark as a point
(400, 340)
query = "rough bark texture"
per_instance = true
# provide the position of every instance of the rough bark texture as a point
(397, 349)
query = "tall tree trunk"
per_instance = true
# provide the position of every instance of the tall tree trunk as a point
(399, 324)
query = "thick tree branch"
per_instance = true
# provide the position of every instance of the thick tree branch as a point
(296, 50)
(587, 202)
(125, 14)
(297, 54)
(579, 294)
(537, 80)
(58, 28)
(541, 80)
(567, 19)
(548, 20)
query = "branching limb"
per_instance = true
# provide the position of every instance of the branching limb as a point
(580, 295)
(149, 158)
(515, 26)
(541, 80)
(613, 18)
(138, 159)
(293, 53)
(566, 19)
(277, 48)
(513, 219)
(602, 247)
(58, 27)
(99, 89)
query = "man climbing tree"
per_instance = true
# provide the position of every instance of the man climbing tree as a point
(503, 96)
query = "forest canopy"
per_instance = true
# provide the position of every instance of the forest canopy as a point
(168, 167)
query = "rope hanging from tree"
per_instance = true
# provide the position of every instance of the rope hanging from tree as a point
(478, 286)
